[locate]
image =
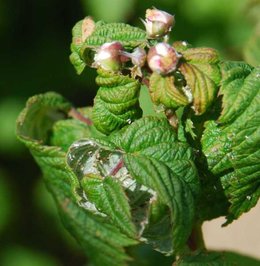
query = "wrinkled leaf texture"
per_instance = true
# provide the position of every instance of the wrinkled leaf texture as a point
(155, 158)
(231, 145)
(116, 103)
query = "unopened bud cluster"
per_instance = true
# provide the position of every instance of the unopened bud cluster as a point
(161, 58)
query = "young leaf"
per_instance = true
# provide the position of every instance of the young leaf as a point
(94, 233)
(202, 74)
(164, 91)
(128, 36)
(231, 148)
(116, 103)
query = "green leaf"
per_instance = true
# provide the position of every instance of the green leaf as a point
(154, 138)
(162, 173)
(158, 232)
(93, 232)
(109, 197)
(39, 115)
(129, 36)
(157, 160)
(171, 190)
(201, 71)
(231, 148)
(235, 90)
(116, 103)
(164, 90)
(202, 259)
(100, 240)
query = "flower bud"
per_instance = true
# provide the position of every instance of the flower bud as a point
(138, 56)
(158, 23)
(108, 56)
(162, 58)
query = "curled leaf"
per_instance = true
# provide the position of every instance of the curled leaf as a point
(93, 232)
(201, 71)
(116, 103)
(164, 90)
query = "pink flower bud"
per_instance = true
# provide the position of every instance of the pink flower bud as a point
(108, 56)
(162, 58)
(138, 56)
(158, 23)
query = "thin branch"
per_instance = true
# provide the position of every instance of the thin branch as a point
(115, 170)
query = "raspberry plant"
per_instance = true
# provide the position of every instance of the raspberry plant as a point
(121, 178)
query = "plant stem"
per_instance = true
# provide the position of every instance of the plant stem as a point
(77, 115)
(196, 240)
(115, 170)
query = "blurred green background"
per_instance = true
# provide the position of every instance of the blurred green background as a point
(35, 40)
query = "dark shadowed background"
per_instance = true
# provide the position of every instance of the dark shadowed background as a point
(34, 58)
